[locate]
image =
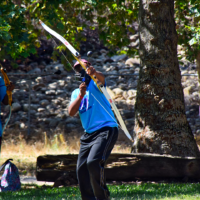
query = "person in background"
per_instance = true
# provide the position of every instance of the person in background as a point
(100, 136)
(4, 99)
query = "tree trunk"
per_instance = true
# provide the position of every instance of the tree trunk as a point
(198, 71)
(61, 169)
(161, 125)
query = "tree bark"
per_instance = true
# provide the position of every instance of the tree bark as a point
(61, 169)
(161, 125)
(198, 71)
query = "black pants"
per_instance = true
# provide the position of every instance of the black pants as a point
(94, 151)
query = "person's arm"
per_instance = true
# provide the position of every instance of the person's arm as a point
(92, 71)
(74, 106)
(10, 87)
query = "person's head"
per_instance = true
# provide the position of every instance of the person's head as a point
(78, 67)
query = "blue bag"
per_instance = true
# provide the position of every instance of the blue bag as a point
(10, 180)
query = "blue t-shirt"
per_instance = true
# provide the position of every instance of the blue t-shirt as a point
(2, 95)
(94, 114)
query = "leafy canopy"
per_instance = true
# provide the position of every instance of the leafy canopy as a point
(187, 16)
(15, 40)
(113, 20)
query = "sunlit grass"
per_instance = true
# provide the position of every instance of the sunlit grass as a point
(25, 154)
(134, 191)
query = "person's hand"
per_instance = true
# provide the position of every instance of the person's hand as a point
(10, 87)
(82, 88)
(91, 71)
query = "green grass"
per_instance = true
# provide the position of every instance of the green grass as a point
(165, 191)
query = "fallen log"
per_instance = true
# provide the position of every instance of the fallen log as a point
(120, 167)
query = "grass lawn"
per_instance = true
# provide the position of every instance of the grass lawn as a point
(173, 191)
(24, 157)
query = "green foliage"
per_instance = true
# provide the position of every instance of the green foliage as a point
(20, 31)
(61, 16)
(14, 36)
(113, 20)
(187, 16)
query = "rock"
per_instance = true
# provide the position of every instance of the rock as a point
(38, 86)
(52, 85)
(25, 107)
(132, 85)
(133, 38)
(65, 102)
(118, 91)
(32, 107)
(50, 92)
(41, 109)
(72, 120)
(63, 115)
(121, 80)
(15, 125)
(56, 101)
(131, 97)
(132, 61)
(35, 100)
(46, 120)
(187, 90)
(16, 107)
(135, 44)
(99, 61)
(124, 71)
(111, 83)
(108, 60)
(125, 94)
(34, 64)
(103, 51)
(59, 67)
(119, 57)
(127, 113)
(35, 71)
(132, 92)
(70, 126)
(111, 68)
(22, 125)
(7, 108)
(61, 125)
(49, 68)
(39, 79)
(58, 92)
(33, 112)
(123, 86)
(131, 102)
(44, 102)
(23, 83)
(53, 123)
(129, 122)
(41, 67)
(28, 68)
(61, 83)
(110, 92)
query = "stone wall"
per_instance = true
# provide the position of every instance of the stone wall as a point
(50, 96)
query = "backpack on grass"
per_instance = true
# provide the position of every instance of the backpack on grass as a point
(10, 180)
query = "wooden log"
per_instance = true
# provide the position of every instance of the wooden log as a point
(121, 167)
